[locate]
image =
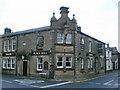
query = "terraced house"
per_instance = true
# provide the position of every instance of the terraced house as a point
(60, 50)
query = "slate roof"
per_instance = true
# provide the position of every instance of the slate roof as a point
(27, 31)
(114, 50)
(41, 29)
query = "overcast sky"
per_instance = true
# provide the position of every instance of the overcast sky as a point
(98, 18)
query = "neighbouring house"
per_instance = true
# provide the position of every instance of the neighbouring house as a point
(60, 50)
(115, 54)
(0, 54)
(109, 64)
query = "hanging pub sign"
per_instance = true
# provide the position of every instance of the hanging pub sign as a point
(40, 52)
(9, 54)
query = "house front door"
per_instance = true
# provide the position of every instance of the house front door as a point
(24, 68)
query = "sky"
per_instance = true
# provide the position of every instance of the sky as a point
(97, 18)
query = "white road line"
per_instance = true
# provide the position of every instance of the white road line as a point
(109, 82)
(55, 84)
(6, 81)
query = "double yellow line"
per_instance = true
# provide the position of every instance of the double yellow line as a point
(91, 78)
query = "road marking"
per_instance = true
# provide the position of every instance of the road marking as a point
(109, 82)
(27, 81)
(6, 81)
(55, 85)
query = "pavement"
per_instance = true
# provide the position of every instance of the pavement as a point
(83, 78)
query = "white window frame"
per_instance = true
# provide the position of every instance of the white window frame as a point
(89, 63)
(5, 46)
(8, 44)
(39, 63)
(81, 63)
(69, 38)
(4, 63)
(69, 61)
(13, 44)
(12, 62)
(59, 37)
(8, 63)
(60, 61)
(90, 46)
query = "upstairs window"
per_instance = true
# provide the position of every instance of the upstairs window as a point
(5, 46)
(8, 46)
(40, 41)
(59, 38)
(68, 38)
(90, 46)
(13, 44)
(100, 48)
(82, 43)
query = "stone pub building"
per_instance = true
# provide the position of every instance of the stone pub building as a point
(60, 50)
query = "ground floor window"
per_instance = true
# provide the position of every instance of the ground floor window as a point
(59, 62)
(90, 63)
(65, 61)
(68, 62)
(9, 63)
(81, 63)
(39, 64)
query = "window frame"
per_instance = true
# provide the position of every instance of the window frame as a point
(81, 63)
(59, 38)
(8, 63)
(82, 42)
(90, 46)
(68, 61)
(12, 63)
(4, 63)
(60, 61)
(5, 45)
(69, 38)
(13, 44)
(8, 45)
(39, 63)
(41, 39)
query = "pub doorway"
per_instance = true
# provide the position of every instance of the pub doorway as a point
(24, 68)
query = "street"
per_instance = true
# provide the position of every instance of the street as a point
(103, 81)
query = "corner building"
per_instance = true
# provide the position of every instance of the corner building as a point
(60, 50)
